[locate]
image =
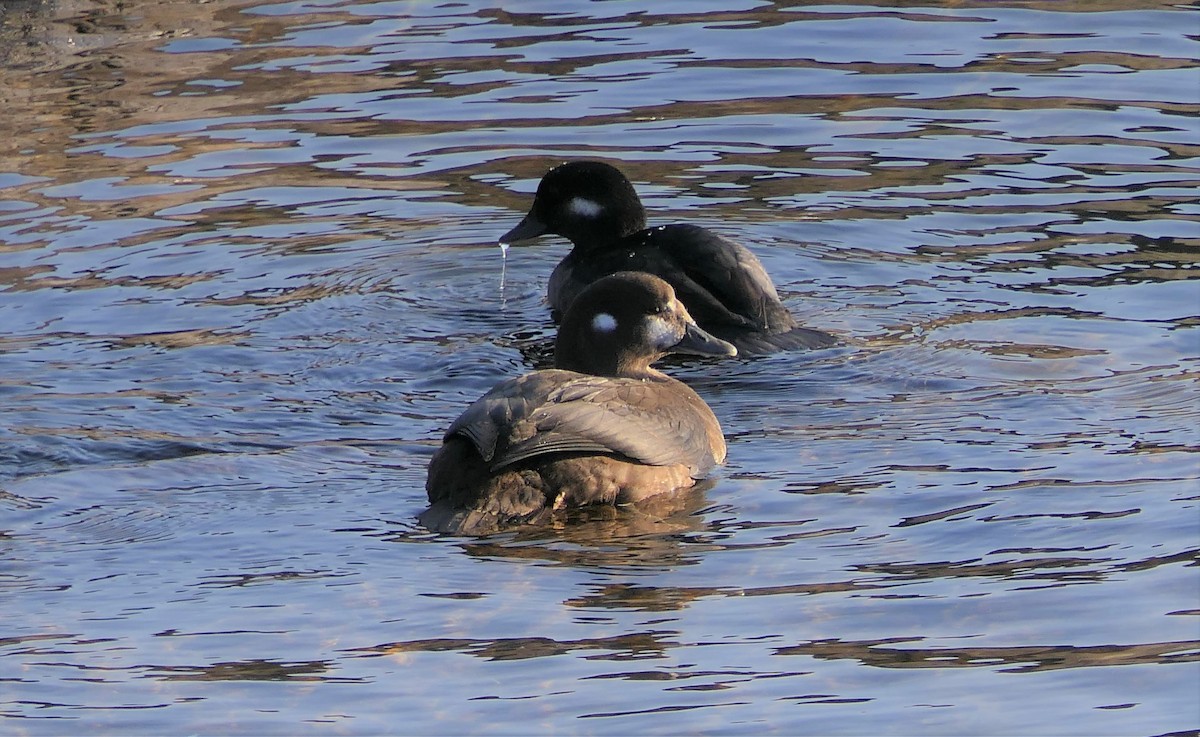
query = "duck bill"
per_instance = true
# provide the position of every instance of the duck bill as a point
(529, 227)
(699, 342)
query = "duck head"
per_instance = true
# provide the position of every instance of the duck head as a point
(590, 203)
(624, 322)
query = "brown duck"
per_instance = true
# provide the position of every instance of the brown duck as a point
(602, 427)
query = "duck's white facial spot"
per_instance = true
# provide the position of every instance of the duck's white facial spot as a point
(584, 208)
(604, 323)
(660, 334)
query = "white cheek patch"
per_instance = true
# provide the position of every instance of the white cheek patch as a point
(584, 208)
(604, 323)
(660, 334)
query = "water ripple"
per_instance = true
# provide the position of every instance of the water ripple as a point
(248, 274)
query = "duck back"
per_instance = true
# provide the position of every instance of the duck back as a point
(724, 285)
(556, 440)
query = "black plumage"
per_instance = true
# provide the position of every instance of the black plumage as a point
(723, 284)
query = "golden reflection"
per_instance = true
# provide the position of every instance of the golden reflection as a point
(655, 533)
(1021, 659)
(182, 339)
(95, 69)
(632, 646)
(250, 670)
(643, 598)
(96, 281)
(671, 598)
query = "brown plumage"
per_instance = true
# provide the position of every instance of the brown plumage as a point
(603, 427)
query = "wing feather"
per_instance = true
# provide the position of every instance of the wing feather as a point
(723, 277)
(653, 422)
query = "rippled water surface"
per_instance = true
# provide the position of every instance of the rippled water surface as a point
(248, 274)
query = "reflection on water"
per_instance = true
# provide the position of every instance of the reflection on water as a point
(252, 670)
(248, 274)
(880, 654)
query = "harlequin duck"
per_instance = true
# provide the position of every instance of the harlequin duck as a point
(723, 284)
(602, 427)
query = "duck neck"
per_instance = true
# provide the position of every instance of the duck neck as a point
(573, 355)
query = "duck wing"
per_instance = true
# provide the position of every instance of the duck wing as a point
(721, 282)
(654, 422)
(727, 290)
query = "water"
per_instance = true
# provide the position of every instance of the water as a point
(248, 273)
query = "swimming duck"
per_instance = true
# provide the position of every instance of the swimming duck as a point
(723, 284)
(602, 427)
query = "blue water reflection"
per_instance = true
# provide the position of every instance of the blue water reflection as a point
(248, 275)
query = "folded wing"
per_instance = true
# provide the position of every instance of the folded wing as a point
(558, 411)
